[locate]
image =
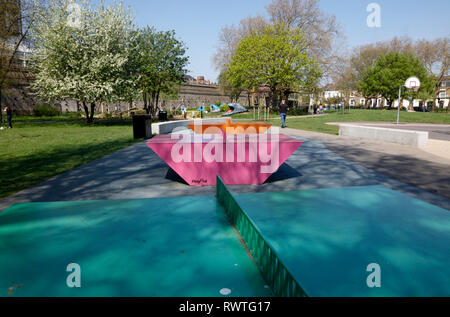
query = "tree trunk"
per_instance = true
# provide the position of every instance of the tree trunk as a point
(157, 102)
(1, 106)
(273, 98)
(433, 109)
(86, 111)
(286, 94)
(153, 104)
(366, 102)
(91, 119)
(145, 99)
(151, 98)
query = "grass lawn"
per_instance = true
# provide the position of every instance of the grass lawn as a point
(318, 124)
(64, 118)
(32, 153)
(244, 115)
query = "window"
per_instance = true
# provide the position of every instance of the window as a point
(442, 94)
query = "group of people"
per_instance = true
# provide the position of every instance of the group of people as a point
(9, 112)
(318, 110)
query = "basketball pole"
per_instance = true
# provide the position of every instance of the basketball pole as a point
(399, 100)
(411, 83)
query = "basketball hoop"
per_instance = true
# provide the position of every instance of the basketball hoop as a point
(412, 83)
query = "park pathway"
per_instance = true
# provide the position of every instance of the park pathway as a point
(324, 161)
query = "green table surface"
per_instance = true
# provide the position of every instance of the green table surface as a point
(152, 247)
(328, 237)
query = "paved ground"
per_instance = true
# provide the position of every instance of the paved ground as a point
(406, 164)
(436, 131)
(324, 161)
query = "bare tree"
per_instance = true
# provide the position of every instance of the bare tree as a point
(360, 61)
(324, 35)
(435, 56)
(230, 36)
(346, 80)
(16, 20)
(403, 45)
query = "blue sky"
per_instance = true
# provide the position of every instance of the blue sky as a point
(198, 22)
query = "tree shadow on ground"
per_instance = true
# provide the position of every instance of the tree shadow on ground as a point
(25, 171)
(426, 175)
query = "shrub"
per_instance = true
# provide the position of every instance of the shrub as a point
(45, 111)
(224, 108)
(218, 104)
(208, 108)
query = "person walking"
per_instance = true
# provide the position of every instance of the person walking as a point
(9, 112)
(183, 110)
(283, 113)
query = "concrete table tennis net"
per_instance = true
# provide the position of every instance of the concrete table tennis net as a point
(237, 159)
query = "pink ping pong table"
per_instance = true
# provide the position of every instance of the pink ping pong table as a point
(237, 159)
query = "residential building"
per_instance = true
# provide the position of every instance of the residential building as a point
(357, 100)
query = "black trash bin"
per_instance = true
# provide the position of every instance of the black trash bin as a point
(142, 126)
(162, 116)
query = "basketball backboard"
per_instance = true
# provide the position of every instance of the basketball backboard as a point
(412, 83)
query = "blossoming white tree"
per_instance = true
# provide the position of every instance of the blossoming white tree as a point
(83, 53)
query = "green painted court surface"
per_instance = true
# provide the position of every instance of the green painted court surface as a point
(154, 247)
(326, 238)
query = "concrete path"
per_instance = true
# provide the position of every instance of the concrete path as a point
(406, 164)
(324, 161)
(439, 135)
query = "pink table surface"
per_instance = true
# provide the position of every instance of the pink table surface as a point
(234, 168)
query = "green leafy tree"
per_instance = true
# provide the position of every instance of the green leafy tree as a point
(87, 61)
(227, 89)
(335, 100)
(162, 66)
(390, 72)
(276, 57)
